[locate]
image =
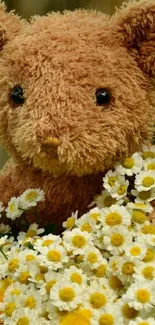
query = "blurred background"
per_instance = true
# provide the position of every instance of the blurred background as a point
(27, 8)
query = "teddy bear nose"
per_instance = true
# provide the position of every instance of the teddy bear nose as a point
(51, 145)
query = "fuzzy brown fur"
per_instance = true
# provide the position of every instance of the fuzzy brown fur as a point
(60, 139)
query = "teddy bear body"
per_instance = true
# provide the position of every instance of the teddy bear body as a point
(76, 95)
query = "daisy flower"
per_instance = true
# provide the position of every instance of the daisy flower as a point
(145, 180)
(95, 297)
(116, 238)
(53, 256)
(70, 222)
(77, 241)
(142, 321)
(32, 232)
(130, 166)
(145, 271)
(94, 214)
(119, 190)
(105, 200)
(149, 164)
(146, 207)
(51, 278)
(31, 197)
(46, 241)
(13, 210)
(148, 152)
(4, 229)
(110, 178)
(140, 295)
(24, 316)
(107, 316)
(75, 275)
(135, 250)
(66, 295)
(85, 223)
(31, 299)
(128, 313)
(9, 306)
(93, 257)
(115, 216)
(126, 268)
(144, 196)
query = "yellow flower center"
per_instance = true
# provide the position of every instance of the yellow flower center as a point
(121, 190)
(135, 251)
(115, 283)
(128, 268)
(75, 277)
(31, 233)
(74, 318)
(23, 278)
(117, 240)
(54, 256)
(138, 216)
(143, 323)
(49, 285)
(16, 292)
(2, 291)
(108, 201)
(47, 242)
(112, 180)
(143, 295)
(148, 154)
(100, 271)
(43, 269)
(12, 207)
(114, 266)
(144, 195)
(150, 255)
(148, 272)
(149, 229)
(128, 163)
(39, 277)
(148, 181)
(106, 319)
(129, 312)
(23, 321)
(113, 219)
(30, 258)
(97, 300)
(66, 294)
(9, 308)
(30, 302)
(78, 241)
(94, 215)
(86, 227)
(151, 166)
(92, 258)
(31, 196)
(13, 264)
(70, 222)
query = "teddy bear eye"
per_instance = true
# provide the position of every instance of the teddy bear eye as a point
(103, 96)
(17, 95)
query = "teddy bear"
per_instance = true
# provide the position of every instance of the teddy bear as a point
(76, 95)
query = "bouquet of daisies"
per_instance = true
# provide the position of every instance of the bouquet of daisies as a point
(99, 271)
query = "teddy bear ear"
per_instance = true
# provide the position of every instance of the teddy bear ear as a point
(135, 26)
(10, 24)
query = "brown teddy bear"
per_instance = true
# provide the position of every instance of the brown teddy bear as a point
(76, 94)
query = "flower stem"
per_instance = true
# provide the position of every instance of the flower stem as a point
(3, 254)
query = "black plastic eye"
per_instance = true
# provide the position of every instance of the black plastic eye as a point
(17, 95)
(103, 96)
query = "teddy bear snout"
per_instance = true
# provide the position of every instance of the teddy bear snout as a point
(50, 145)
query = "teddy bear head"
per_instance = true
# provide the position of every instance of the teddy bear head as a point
(76, 87)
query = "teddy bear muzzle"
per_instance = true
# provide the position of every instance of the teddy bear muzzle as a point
(50, 145)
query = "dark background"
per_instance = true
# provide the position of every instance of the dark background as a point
(27, 8)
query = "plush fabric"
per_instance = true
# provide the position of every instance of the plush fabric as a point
(60, 139)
